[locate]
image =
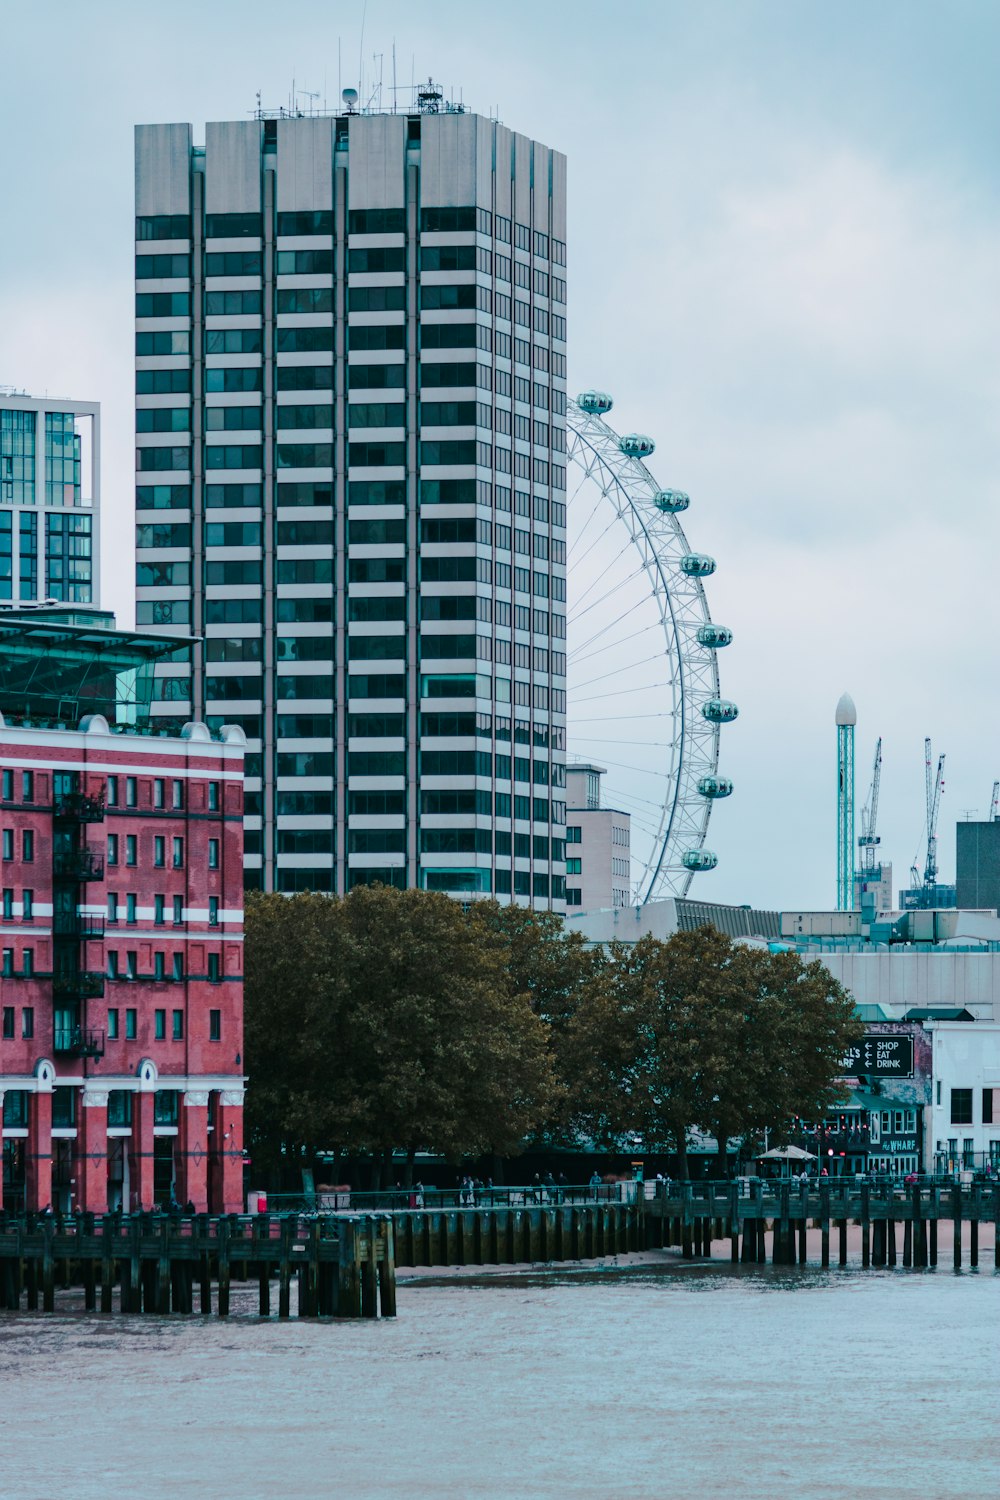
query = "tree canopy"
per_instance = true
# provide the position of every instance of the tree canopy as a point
(700, 1031)
(385, 1021)
(397, 1021)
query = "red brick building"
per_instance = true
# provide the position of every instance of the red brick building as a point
(121, 981)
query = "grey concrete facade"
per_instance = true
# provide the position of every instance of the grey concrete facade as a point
(350, 480)
(977, 865)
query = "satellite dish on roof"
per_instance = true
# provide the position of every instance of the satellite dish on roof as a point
(350, 97)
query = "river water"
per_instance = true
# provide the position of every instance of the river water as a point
(655, 1381)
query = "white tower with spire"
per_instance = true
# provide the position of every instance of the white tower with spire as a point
(847, 718)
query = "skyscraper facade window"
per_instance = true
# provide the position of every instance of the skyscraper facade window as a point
(350, 453)
(49, 500)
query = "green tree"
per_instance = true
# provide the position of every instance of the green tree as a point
(701, 1031)
(294, 1007)
(416, 1040)
(550, 965)
(633, 1056)
(773, 1033)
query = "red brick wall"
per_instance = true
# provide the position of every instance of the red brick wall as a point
(192, 1060)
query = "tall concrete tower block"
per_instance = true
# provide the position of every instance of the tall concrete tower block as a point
(847, 717)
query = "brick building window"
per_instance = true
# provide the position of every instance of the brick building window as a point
(213, 796)
(131, 848)
(178, 966)
(178, 795)
(213, 911)
(113, 1024)
(131, 791)
(8, 843)
(159, 852)
(112, 848)
(112, 793)
(7, 786)
(215, 1026)
(8, 1022)
(165, 1106)
(130, 1025)
(28, 905)
(160, 1020)
(158, 792)
(178, 1020)
(28, 1021)
(213, 968)
(8, 961)
(213, 854)
(28, 846)
(28, 962)
(178, 854)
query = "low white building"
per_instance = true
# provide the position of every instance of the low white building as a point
(963, 1122)
(598, 845)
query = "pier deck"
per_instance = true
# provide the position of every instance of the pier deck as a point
(693, 1215)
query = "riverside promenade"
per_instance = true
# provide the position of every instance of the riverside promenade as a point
(343, 1264)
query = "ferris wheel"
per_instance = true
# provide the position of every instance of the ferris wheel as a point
(642, 665)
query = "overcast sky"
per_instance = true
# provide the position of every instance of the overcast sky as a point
(784, 240)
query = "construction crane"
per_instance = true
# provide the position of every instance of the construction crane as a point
(934, 786)
(995, 800)
(868, 838)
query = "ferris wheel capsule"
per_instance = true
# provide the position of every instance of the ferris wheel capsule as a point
(637, 445)
(697, 565)
(671, 501)
(594, 401)
(714, 636)
(699, 859)
(719, 711)
(715, 786)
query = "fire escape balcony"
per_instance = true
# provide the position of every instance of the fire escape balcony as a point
(85, 985)
(78, 807)
(75, 1041)
(79, 925)
(78, 864)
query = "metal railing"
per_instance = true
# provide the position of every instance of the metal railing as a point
(78, 807)
(78, 864)
(75, 1041)
(421, 1197)
(75, 924)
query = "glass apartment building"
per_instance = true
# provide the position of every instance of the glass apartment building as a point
(49, 500)
(351, 471)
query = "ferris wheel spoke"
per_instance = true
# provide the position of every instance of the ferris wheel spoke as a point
(596, 603)
(625, 640)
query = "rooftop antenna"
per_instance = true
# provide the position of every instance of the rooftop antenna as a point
(394, 75)
(361, 53)
(350, 98)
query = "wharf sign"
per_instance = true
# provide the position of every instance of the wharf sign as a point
(880, 1057)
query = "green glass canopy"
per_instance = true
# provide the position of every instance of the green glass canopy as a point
(59, 664)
